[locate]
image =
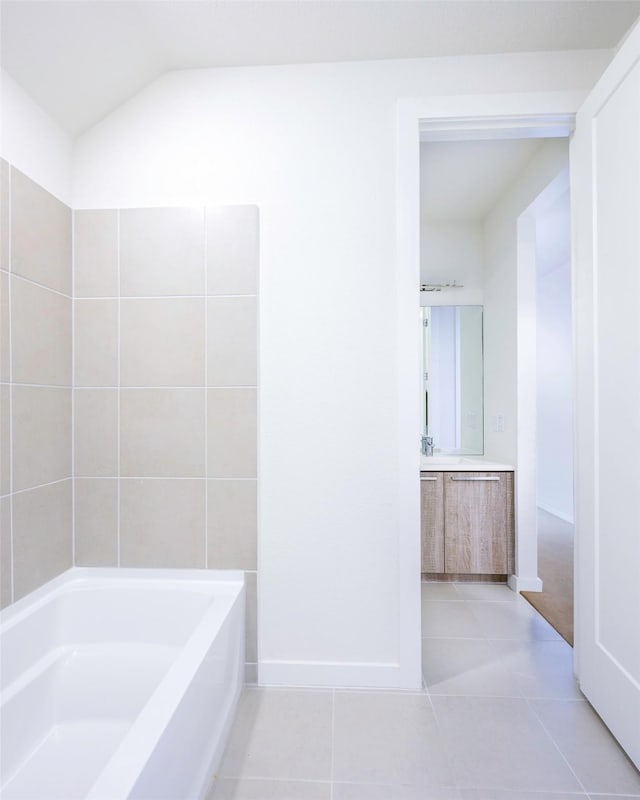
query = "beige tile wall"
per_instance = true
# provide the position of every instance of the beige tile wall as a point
(165, 397)
(35, 385)
(150, 459)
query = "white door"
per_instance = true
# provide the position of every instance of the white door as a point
(605, 195)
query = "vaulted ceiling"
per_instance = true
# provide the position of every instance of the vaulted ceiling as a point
(462, 181)
(80, 60)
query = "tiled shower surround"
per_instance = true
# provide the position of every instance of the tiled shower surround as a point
(153, 464)
(36, 485)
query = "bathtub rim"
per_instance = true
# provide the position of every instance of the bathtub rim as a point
(157, 713)
(75, 578)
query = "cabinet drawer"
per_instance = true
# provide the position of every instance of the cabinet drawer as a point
(432, 521)
(478, 522)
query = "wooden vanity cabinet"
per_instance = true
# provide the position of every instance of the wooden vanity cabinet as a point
(467, 523)
(478, 522)
(432, 521)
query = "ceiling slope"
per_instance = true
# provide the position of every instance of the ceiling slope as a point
(80, 60)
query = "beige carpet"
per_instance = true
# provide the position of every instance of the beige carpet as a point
(555, 567)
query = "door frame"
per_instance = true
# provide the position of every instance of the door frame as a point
(535, 114)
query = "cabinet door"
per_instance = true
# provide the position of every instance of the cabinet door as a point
(432, 521)
(477, 522)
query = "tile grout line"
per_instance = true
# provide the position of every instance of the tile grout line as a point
(529, 705)
(333, 743)
(466, 602)
(206, 415)
(118, 379)
(487, 641)
(42, 385)
(258, 379)
(170, 386)
(10, 367)
(40, 285)
(151, 296)
(156, 478)
(39, 486)
(555, 744)
(73, 390)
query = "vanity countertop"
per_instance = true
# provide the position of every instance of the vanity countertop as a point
(438, 463)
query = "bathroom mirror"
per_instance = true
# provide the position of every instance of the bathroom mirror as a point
(453, 379)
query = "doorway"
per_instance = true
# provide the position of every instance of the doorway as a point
(547, 115)
(482, 202)
(605, 190)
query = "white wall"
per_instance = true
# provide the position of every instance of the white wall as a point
(500, 292)
(452, 251)
(32, 141)
(555, 392)
(315, 148)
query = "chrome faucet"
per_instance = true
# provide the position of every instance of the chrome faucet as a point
(427, 445)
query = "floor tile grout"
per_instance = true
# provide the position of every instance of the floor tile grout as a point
(333, 741)
(555, 744)
(441, 726)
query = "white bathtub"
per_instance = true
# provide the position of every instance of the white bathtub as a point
(119, 683)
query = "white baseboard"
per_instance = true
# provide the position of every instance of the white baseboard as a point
(521, 583)
(554, 512)
(340, 674)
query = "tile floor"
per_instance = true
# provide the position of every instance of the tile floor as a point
(501, 718)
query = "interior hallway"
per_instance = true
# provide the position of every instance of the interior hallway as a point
(501, 718)
(555, 568)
